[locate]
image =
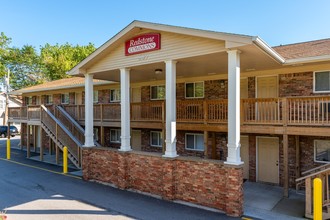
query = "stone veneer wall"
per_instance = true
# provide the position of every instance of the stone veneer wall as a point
(204, 182)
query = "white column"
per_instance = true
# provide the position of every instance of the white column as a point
(89, 118)
(125, 110)
(170, 139)
(234, 134)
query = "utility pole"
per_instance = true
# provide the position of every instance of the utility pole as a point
(5, 118)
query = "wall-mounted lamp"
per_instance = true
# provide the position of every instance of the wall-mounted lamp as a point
(158, 71)
(222, 84)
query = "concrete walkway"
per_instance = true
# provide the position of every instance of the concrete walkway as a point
(267, 202)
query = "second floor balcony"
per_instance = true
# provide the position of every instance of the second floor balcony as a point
(290, 111)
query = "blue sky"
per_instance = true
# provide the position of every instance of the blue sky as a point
(36, 22)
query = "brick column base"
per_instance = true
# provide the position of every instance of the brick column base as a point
(234, 194)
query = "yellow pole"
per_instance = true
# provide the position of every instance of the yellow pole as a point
(317, 199)
(8, 149)
(65, 160)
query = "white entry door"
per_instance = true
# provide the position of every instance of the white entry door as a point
(136, 140)
(268, 159)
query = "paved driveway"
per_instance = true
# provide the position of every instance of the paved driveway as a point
(34, 190)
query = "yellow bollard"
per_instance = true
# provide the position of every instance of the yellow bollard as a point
(65, 160)
(8, 149)
(317, 199)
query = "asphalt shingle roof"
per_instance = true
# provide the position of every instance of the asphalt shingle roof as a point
(304, 49)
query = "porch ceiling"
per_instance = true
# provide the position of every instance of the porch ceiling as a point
(252, 59)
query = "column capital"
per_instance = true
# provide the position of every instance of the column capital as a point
(125, 69)
(234, 51)
(89, 74)
(171, 61)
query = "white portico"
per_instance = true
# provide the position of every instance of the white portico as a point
(184, 54)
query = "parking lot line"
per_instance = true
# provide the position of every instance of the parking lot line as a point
(39, 168)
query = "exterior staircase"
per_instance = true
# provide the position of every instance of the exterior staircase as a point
(306, 181)
(62, 136)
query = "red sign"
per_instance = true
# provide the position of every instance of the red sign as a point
(142, 43)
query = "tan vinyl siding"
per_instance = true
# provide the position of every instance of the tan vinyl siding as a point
(173, 46)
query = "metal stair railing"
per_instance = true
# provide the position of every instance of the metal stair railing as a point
(62, 135)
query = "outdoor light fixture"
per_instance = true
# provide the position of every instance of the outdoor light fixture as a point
(158, 71)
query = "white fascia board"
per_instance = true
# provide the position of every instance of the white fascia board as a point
(20, 92)
(197, 32)
(307, 60)
(76, 70)
(265, 47)
(243, 39)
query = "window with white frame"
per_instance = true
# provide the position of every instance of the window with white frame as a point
(322, 81)
(65, 98)
(114, 95)
(195, 142)
(157, 92)
(194, 90)
(49, 99)
(156, 138)
(115, 135)
(322, 151)
(95, 96)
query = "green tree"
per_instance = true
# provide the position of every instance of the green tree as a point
(58, 59)
(25, 67)
(4, 50)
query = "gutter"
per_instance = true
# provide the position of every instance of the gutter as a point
(298, 61)
(270, 51)
(20, 92)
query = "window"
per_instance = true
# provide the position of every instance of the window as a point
(65, 98)
(95, 96)
(157, 92)
(115, 135)
(322, 81)
(96, 134)
(28, 100)
(322, 151)
(156, 138)
(114, 95)
(49, 99)
(195, 90)
(195, 142)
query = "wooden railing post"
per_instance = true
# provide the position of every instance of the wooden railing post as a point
(101, 114)
(205, 107)
(285, 111)
(78, 112)
(56, 141)
(309, 197)
(163, 112)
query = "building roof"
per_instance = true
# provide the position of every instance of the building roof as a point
(12, 98)
(304, 49)
(231, 40)
(67, 83)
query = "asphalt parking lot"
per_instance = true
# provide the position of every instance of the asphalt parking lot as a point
(35, 190)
